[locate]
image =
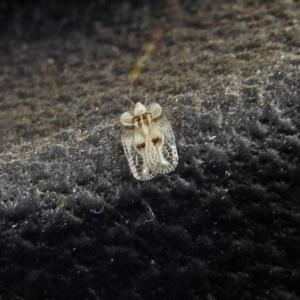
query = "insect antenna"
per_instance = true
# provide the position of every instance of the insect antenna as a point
(128, 99)
(146, 97)
(115, 92)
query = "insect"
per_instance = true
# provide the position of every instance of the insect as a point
(148, 141)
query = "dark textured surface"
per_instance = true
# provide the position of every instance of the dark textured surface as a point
(75, 224)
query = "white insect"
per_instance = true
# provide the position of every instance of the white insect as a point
(148, 141)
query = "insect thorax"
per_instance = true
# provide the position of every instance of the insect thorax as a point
(144, 117)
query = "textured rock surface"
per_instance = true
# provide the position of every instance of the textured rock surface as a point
(75, 224)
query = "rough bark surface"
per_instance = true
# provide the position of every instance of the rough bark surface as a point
(75, 224)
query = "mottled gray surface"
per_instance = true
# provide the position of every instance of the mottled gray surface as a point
(224, 225)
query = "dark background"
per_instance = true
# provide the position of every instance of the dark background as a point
(75, 224)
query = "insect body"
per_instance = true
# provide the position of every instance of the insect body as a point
(148, 141)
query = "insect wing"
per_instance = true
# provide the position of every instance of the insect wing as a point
(136, 158)
(168, 147)
(153, 155)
